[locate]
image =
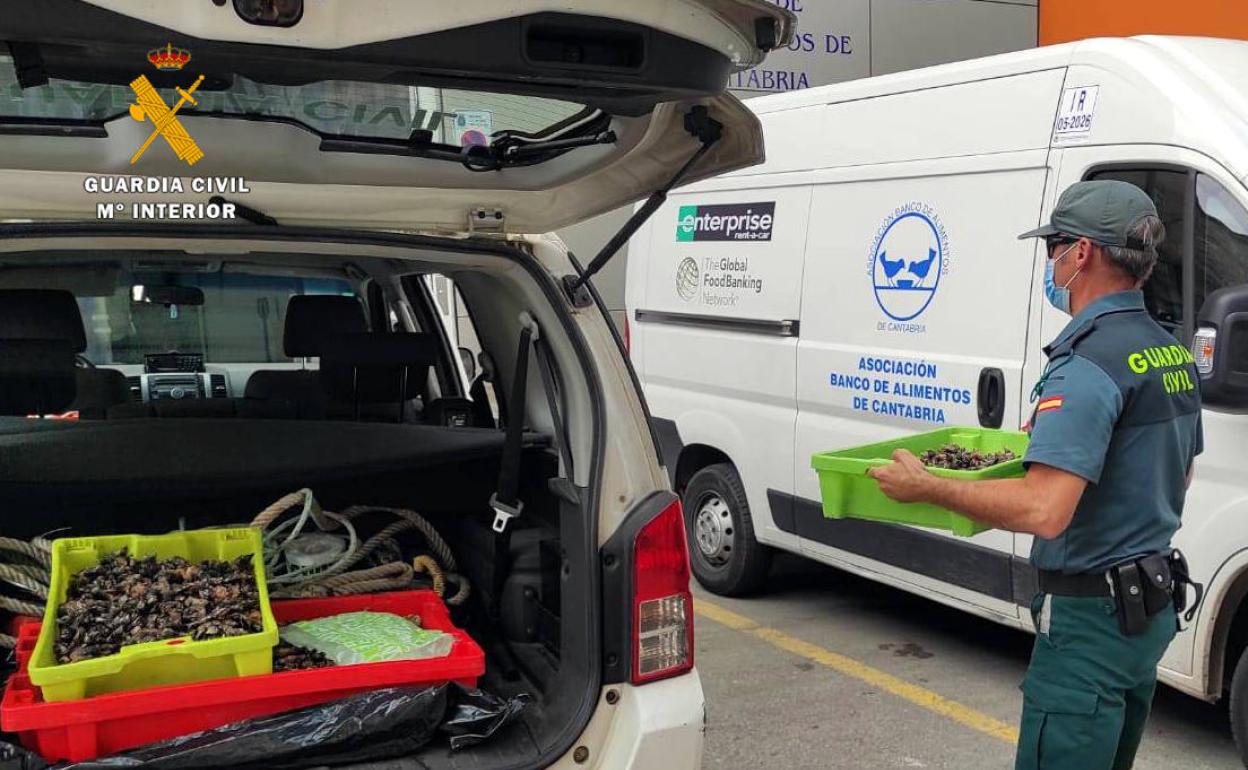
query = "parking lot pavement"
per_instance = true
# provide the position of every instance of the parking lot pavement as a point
(827, 670)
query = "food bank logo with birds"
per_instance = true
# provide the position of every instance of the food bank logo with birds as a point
(908, 257)
(151, 107)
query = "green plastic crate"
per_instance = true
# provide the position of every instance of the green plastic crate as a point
(848, 492)
(152, 664)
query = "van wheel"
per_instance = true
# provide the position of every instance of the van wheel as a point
(725, 557)
(1239, 707)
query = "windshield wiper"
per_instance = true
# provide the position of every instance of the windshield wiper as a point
(255, 216)
(505, 152)
(418, 146)
(510, 151)
(52, 127)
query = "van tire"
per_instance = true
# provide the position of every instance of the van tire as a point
(1239, 707)
(727, 560)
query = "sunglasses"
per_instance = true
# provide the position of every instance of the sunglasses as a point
(1053, 241)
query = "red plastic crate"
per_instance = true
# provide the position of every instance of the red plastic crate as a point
(106, 724)
(17, 621)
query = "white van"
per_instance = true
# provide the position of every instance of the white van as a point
(234, 302)
(867, 282)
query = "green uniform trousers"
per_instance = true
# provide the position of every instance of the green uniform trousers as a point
(1088, 689)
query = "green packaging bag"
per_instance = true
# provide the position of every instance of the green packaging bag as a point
(368, 637)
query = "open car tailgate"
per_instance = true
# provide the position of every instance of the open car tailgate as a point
(376, 113)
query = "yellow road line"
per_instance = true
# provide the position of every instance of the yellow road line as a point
(919, 696)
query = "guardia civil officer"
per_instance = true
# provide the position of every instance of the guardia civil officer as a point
(1114, 431)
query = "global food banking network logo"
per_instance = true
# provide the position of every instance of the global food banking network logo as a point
(909, 256)
(688, 279)
(726, 222)
(149, 106)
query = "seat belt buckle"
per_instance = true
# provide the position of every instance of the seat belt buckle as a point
(503, 513)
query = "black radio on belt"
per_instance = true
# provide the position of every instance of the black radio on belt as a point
(1141, 589)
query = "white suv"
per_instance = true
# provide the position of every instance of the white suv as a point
(360, 148)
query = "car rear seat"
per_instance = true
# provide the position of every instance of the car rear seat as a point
(310, 321)
(53, 314)
(379, 375)
(36, 376)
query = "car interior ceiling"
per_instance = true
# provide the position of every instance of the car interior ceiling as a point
(377, 422)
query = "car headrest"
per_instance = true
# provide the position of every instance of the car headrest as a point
(369, 368)
(311, 319)
(36, 376)
(41, 314)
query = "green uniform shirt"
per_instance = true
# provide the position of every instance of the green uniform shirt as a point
(1118, 405)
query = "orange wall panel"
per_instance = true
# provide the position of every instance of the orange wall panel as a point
(1064, 20)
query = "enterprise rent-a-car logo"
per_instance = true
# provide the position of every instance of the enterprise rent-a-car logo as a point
(726, 222)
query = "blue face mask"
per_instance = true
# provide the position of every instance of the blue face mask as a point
(1058, 296)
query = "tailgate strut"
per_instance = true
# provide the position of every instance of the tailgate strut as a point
(707, 130)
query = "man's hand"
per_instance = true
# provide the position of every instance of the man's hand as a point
(906, 480)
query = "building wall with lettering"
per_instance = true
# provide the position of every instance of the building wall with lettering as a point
(839, 40)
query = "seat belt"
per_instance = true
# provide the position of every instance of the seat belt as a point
(506, 499)
(505, 502)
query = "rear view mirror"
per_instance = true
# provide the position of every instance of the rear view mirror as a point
(470, 363)
(1220, 348)
(167, 295)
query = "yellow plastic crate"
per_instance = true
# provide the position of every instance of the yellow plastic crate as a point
(152, 664)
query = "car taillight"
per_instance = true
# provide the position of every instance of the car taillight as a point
(662, 605)
(1204, 344)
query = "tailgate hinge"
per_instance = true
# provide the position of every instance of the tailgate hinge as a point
(485, 221)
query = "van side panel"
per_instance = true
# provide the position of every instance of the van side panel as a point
(718, 315)
(975, 118)
(916, 285)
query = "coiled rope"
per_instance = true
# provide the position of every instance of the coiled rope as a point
(28, 568)
(339, 578)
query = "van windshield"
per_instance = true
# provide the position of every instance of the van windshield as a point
(329, 108)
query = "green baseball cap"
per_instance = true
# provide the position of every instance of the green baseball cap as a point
(1102, 210)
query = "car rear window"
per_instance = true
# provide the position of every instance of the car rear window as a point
(331, 108)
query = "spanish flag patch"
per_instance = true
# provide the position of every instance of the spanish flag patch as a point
(1050, 404)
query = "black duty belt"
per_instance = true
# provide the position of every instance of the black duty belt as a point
(1140, 587)
(1086, 584)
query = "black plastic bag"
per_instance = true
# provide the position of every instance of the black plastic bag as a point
(375, 725)
(476, 715)
(372, 725)
(17, 758)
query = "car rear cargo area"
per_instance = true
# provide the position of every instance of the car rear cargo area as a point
(151, 476)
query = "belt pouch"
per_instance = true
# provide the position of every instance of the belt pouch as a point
(1158, 582)
(1129, 590)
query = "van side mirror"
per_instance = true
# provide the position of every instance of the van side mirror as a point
(1220, 348)
(470, 363)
